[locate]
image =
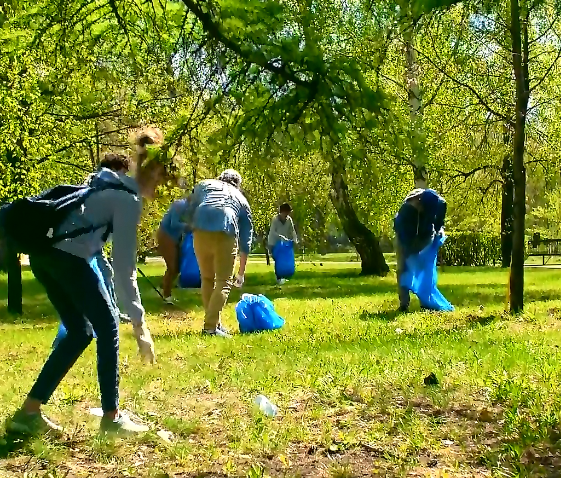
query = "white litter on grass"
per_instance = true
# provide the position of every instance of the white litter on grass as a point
(165, 435)
(266, 406)
(399, 331)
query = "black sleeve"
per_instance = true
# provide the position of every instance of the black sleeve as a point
(440, 215)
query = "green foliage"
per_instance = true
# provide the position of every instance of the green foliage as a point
(546, 219)
(471, 249)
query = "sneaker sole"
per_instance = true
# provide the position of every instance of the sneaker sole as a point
(21, 429)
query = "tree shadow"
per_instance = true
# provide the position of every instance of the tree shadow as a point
(11, 443)
(306, 285)
(383, 315)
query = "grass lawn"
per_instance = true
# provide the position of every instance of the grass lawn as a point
(346, 372)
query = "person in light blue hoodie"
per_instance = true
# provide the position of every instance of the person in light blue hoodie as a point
(79, 296)
(117, 163)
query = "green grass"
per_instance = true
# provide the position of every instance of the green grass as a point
(346, 372)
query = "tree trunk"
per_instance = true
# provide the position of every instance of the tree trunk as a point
(507, 211)
(366, 243)
(520, 67)
(264, 241)
(15, 295)
(415, 100)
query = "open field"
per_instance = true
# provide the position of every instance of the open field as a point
(346, 371)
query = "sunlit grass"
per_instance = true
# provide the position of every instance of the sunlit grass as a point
(346, 372)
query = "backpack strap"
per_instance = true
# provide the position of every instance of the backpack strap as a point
(86, 230)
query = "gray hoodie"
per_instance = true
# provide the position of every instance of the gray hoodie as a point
(123, 211)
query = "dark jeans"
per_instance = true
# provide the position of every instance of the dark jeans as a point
(74, 290)
(271, 254)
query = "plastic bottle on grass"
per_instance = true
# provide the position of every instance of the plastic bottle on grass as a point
(265, 405)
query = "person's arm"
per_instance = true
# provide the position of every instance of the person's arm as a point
(294, 237)
(246, 237)
(440, 216)
(406, 223)
(193, 202)
(273, 233)
(126, 218)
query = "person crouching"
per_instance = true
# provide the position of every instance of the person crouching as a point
(220, 217)
(420, 218)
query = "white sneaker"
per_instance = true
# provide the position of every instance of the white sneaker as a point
(281, 281)
(169, 301)
(218, 332)
(122, 425)
(32, 424)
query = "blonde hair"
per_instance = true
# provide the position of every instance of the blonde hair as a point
(144, 137)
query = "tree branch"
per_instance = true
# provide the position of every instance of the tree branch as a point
(214, 30)
(470, 88)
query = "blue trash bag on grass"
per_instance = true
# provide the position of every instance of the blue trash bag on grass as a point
(285, 263)
(61, 328)
(257, 313)
(189, 273)
(420, 277)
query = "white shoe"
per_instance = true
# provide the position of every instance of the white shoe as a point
(281, 281)
(122, 425)
(169, 301)
(218, 332)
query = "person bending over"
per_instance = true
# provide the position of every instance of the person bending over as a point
(220, 217)
(74, 290)
(170, 233)
(420, 218)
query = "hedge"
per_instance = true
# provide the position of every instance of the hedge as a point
(471, 249)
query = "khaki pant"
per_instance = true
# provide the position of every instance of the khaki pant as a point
(169, 250)
(216, 254)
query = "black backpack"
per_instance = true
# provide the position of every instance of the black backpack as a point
(28, 225)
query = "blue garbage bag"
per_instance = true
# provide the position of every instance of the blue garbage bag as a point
(420, 277)
(103, 286)
(285, 263)
(189, 273)
(256, 313)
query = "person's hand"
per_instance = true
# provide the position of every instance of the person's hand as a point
(145, 343)
(440, 233)
(239, 281)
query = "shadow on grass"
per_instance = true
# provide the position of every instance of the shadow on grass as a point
(11, 443)
(383, 315)
(306, 285)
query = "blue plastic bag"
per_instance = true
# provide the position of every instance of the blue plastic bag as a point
(285, 263)
(420, 277)
(189, 273)
(93, 264)
(256, 313)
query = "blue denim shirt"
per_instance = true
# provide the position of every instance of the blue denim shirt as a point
(172, 222)
(217, 206)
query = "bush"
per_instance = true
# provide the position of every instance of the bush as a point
(471, 249)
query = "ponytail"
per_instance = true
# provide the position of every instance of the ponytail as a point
(145, 137)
